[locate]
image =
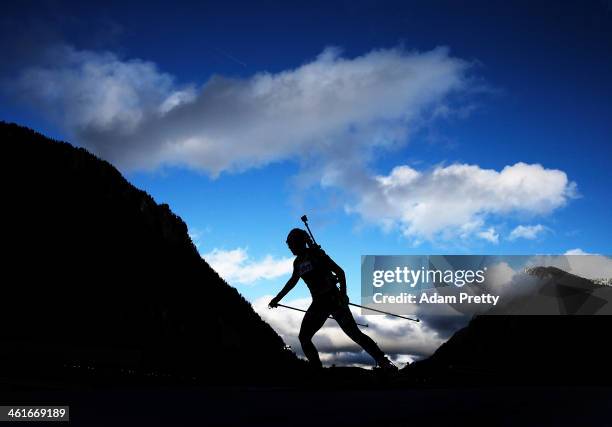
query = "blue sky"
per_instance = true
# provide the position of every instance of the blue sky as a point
(523, 85)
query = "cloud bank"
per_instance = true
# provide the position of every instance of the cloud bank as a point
(489, 235)
(137, 117)
(404, 341)
(529, 232)
(455, 200)
(333, 115)
(236, 267)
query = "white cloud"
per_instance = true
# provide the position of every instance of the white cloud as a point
(576, 251)
(332, 114)
(97, 90)
(500, 275)
(529, 232)
(456, 200)
(235, 266)
(134, 115)
(489, 234)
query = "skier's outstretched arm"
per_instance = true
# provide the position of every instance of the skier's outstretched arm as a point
(288, 286)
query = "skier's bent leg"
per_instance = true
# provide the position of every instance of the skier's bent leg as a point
(312, 322)
(345, 319)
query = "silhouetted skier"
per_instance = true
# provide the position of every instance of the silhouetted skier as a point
(321, 273)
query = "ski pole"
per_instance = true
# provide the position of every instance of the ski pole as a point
(304, 311)
(384, 312)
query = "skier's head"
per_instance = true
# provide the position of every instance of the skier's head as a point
(297, 240)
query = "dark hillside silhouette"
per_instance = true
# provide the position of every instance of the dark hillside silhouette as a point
(97, 277)
(526, 349)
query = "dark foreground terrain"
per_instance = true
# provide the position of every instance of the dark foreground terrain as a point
(97, 274)
(268, 407)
